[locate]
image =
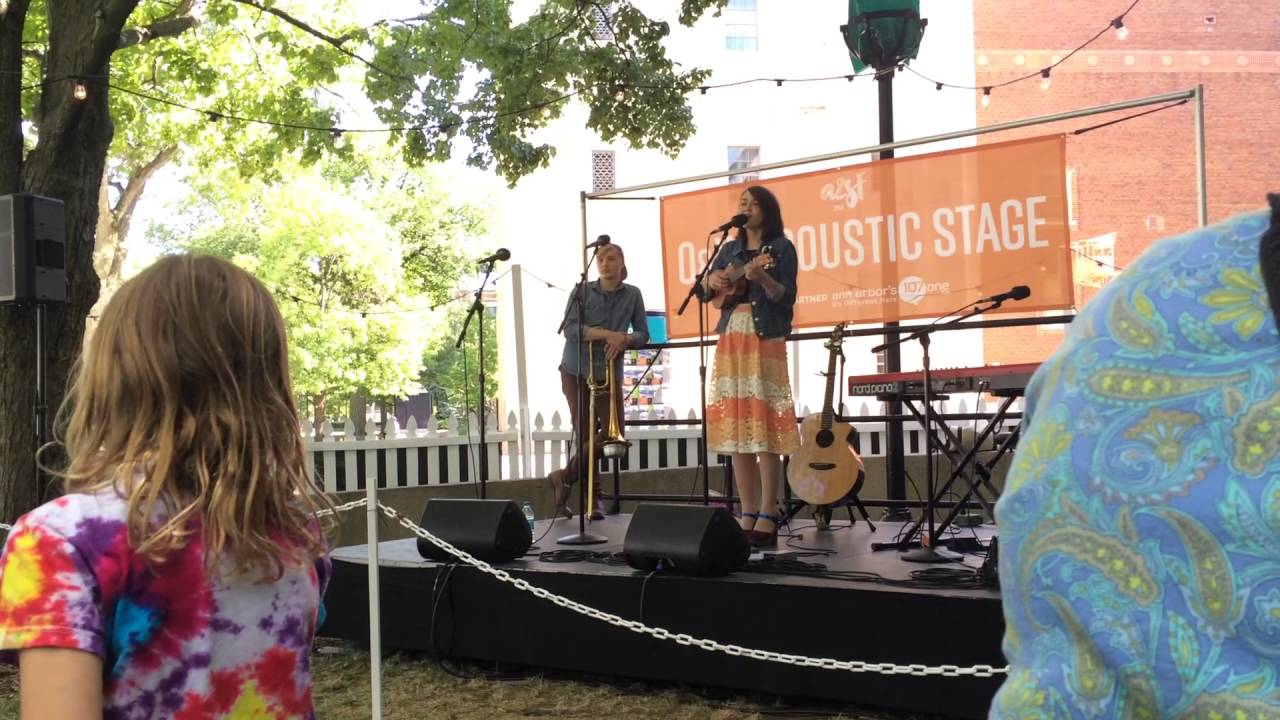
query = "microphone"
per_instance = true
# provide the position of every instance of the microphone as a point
(502, 254)
(600, 242)
(1017, 292)
(736, 221)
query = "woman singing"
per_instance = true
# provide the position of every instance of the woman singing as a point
(750, 413)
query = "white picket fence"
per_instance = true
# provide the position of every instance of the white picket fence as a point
(436, 455)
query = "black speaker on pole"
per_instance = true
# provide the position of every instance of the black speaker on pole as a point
(491, 530)
(33, 248)
(690, 539)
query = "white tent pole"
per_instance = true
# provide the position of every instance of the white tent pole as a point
(522, 373)
(1202, 191)
(954, 135)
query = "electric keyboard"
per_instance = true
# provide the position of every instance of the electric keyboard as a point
(1000, 380)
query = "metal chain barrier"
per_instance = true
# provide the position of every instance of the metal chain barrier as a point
(856, 666)
(343, 508)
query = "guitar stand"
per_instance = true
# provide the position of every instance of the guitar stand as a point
(822, 513)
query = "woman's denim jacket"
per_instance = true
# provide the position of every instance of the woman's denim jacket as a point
(772, 315)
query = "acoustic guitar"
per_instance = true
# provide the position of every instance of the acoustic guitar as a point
(825, 469)
(736, 273)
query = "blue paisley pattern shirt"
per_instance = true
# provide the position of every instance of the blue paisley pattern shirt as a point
(1140, 523)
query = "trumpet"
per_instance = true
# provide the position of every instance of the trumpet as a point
(612, 445)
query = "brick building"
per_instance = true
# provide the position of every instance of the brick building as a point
(1134, 182)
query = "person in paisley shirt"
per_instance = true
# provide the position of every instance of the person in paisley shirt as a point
(1140, 521)
(181, 574)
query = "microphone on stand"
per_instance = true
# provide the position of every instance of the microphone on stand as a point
(502, 254)
(736, 221)
(1017, 292)
(600, 242)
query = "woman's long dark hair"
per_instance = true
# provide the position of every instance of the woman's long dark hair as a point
(768, 203)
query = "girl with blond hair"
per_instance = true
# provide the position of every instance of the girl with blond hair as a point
(181, 574)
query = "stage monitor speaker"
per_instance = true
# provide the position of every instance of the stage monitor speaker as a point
(491, 530)
(691, 539)
(33, 239)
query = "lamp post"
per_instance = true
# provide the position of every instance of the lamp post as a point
(882, 35)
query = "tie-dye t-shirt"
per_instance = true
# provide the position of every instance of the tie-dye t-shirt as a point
(1140, 522)
(174, 643)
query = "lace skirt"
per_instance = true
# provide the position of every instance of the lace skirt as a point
(749, 404)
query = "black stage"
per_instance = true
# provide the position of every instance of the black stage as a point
(480, 618)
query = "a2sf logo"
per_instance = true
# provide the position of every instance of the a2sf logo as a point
(845, 193)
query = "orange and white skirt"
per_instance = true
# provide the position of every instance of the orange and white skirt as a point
(749, 405)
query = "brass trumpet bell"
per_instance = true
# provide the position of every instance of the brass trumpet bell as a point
(612, 445)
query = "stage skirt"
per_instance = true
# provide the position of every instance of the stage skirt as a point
(749, 405)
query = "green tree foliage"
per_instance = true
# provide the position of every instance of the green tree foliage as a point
(355, 251)
(451, 374)
(456, 69)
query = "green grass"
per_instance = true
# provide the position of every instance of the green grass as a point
(8, 691)
(415, 687)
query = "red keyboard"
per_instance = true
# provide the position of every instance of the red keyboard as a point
(1003, 380)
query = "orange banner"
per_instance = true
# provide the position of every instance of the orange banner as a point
(913, 237)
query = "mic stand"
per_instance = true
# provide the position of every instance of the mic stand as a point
(929, 552)
(477, 310)
(696, 289)
(582, 537)
(41, 409)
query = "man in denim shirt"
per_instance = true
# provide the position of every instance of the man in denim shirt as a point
(612, 308)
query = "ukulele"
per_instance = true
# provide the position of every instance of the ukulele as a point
(736, 273)
(825, 469)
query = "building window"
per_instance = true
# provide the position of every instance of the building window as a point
(602, 171)
(1094, 260)
(741, 158)
(740, 25)
(600, 28)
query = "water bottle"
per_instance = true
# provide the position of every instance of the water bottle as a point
(528, 514)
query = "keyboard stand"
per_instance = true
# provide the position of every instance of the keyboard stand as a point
(983, 469)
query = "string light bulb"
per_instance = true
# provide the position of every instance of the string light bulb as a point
(986, 97)
(4, 7)
(79, 91)
(1122, 32)
(939, 86)
(1044, 79)
(619, 96)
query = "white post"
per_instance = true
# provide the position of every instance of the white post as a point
(375, 605)
(1202, 188)
(522, 374)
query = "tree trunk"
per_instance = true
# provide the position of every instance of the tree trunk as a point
(317, 417)
(111, 247)
(67, 165)
(358, 411)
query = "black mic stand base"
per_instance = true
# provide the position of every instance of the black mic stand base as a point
(582, 538)
(930, 555)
